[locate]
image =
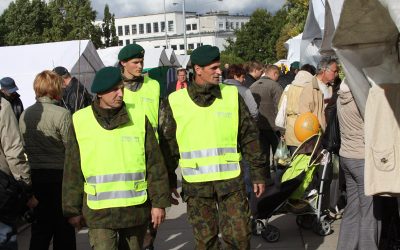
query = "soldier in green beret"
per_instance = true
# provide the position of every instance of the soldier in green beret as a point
(204, 130)
(141, 89)
(115, 180)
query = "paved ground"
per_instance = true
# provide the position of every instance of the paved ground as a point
(176, 234)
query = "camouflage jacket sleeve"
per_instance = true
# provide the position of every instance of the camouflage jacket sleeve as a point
(73, 180)
(168, 143)
(157, 176)
(248, 138)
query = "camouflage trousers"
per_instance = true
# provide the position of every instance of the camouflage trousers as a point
(130, 238)
(228, 215)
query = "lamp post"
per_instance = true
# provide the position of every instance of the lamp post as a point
(165, 27)
(184, 26)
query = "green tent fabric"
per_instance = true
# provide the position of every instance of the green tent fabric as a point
(160, 74)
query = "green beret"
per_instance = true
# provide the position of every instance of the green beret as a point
(106, 79)
(204, 55)
(295, 65)
(131, 51)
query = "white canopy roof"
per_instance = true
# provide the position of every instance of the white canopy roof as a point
(366, 37)
(293, 47)
(153, 57)
(23, 63)
(183, 60)
(312, 33)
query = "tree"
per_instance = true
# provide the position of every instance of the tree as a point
(24, 22)
(108, 28)
(294, 24)
(252, 42)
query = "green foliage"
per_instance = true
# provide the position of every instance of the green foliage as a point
(24, 22)
(230, 58)
(36, 21)
(263, 37)
(108, 28)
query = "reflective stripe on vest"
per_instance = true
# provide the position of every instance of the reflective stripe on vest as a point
(147, 96)
(207, 136)
(112, 161)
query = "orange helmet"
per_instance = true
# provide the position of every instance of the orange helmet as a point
(305, 126)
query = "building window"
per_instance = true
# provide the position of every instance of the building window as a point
(232, 26)
(199, 44)
(134, 29)
(162, 24)
(155, 27)
(221, 26)
(148, 27)
(190, 46)
(237, 25)
(188, 27)
(156, 47)
(120, 43)
(181, 47)
(227, 25)
(241, 24)
(120, 31)
(141, 28)
(174, 47)
(194, 26)
(127, 41)
(170, 26)
(127, 30)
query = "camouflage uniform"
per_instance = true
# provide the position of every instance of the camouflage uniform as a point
(134, 85)
(74, 198)
(232, 215)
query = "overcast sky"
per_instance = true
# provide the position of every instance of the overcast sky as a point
(124, 8)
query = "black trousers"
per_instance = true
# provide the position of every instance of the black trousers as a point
(269, 139)
(50, 222)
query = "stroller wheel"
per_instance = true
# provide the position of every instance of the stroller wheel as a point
(271, 234)
(322, 228)
(305, 221)
(257, 226)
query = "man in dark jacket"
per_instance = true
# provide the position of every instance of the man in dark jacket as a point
(115, 179)
(288, 78)
(267, 93)
(75, 95)
(254, 71)
(9, 89)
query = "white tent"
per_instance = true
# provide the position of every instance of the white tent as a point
(312, 33)
(23, 63)
(367, 36)
(173, 58)
(293, 47)
(332, 15)
(184, 60)
(153, 57)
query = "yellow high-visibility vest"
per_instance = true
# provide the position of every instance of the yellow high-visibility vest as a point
(112, 161)
(148, 96)
(207, 136)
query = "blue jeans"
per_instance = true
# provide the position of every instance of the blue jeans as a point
(8, 238)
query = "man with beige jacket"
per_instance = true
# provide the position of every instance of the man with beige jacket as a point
(316, 94)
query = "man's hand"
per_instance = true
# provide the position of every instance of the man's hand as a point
(173, 199)
(157, 216)
(258, 189)
(32, 202)
(77, 222)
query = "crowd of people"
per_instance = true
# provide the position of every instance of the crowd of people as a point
(108, 162)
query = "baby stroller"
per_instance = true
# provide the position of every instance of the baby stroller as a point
(300, 192)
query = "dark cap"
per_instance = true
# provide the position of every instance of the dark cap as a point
(106, 79)
(8, 84)
(295, 65)
(61, 71)
(131, 51)
(204, 55)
